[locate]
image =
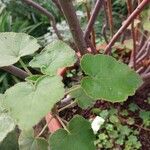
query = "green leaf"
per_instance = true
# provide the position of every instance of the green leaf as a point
(54, 56)
(27, 141)
(10, 142)
(145, 115)
(15, 45)
(108, 79)
(80, 96)
(33, 78)
(146, 19)
(133, 107)
(6, 126)
(28, 103)
(1, 102)
(80, 136)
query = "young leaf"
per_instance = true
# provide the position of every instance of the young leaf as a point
(28, 103)
(81, 97)
(15, 45)
(54, 56)
(108, 79)
(80, 136)
(27, 141)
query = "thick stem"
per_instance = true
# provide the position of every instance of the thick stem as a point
(46, 13)
(71, 17)
(16, 71)
(129, 20)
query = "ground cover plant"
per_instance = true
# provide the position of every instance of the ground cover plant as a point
(73, 76)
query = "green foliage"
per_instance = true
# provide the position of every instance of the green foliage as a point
(24, 100)
(6, 126)
(27, 141)
(54, 56)
(10, 142)
(145, 115)
(108, 79)
(114, 133)
(15, 45)
(81, 97)
(145, 19)
(78, 136)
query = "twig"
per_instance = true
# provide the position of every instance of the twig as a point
(104, 33)
(133, 54)
(110, 17)
(142, 40)
(67, 106)
(146, 76)
(145, 54)
(92, 44)
(142, 50)
(63, 125)
(147, 70)
(93, 17)
(56, 2)
(44, 128)
(134, 14)
(15, 71)
(46, 13)
(25, 67)
(71, 17)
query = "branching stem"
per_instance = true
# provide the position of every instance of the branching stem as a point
(46, 13)
(129, 20)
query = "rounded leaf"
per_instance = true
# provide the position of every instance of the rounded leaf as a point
(53, 57)
(27, 141)
(108, 79)
(15, 45)
(28, 103)
(79, 136)
(6, 126)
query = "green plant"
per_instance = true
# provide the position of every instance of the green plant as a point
(24, 100)
(103, 79)
(113, 133)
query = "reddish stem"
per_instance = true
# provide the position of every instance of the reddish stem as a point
(129, 20)
(46, 13)
(93, 17)
(110, 17)
(15, 71)
(133, 54)
(71, 17)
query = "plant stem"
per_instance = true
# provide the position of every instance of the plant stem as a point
(71, 17)
(92, 19)
(134, 14)
(44, 128)
(46, 13)
(63, 125)
(72, 89)
(133, 54)
(88, 16)
(110, 17)
(67, 106)
(16, 71)
(25, 67)
(56, 2)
